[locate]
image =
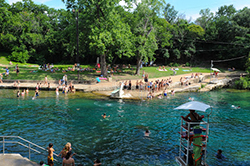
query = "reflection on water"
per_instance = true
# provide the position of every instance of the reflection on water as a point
(76, 118)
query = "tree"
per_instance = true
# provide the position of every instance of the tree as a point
(170, 14)
(108, 33)
(206, 17)
(143, 29)
(226, 11)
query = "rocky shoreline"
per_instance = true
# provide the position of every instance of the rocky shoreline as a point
(202, 84)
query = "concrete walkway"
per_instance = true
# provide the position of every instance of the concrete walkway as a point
(105, 88)
(15, 160)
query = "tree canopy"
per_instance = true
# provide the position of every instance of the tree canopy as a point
(149, 30)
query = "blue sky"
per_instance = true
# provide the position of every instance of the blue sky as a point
(190, 8)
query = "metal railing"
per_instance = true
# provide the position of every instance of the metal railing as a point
(4, 141)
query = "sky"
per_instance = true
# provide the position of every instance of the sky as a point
(190, 8)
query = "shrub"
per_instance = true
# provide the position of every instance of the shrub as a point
(175, 65)
(187, 64)
(242, 83)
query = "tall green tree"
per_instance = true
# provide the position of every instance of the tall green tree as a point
(143, 29)
(109, 35)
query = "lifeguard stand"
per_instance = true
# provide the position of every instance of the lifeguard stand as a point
(187, 134)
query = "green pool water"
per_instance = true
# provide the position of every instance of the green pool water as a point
(76, 118)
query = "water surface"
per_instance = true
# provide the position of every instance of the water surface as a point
(76, 118)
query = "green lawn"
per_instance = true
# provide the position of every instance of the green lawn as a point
(26, 72)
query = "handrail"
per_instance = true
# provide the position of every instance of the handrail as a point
(17, 142)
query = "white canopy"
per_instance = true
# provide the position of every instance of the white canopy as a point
(215, 69)
(193, 105)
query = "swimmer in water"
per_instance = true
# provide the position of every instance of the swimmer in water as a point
(146, 134)
(105, 116)
(160, 96)
(108, 104)
(190, 98)
(235, 107)
(36, 93)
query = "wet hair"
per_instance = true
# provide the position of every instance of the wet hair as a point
(41, 162)
(104, 114)
(50, 145)
(147, 131)
(68, 155)
(97, 161)
(118, 164)
(220, 151)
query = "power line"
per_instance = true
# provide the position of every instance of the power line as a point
(229, 59)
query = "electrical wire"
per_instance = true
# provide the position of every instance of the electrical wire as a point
(229, 59)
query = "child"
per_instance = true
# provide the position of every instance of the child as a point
(50, 155)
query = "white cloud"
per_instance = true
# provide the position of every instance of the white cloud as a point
(13, 1)
(124, 4)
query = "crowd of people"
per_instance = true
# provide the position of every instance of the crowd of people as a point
(66, 155)
(157, 85)
(62, 84)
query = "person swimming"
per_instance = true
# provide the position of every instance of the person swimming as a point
(105, 116)
(146, 134)
(191, 98)
(235, 107)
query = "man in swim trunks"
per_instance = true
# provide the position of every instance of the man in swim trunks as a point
(50, 155)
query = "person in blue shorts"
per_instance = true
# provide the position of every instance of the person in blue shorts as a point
(7, 72)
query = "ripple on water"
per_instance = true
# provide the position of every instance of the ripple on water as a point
(77, 119)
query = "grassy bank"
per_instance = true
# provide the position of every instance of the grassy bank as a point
(31, 72)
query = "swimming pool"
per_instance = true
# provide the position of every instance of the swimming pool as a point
(76, 118)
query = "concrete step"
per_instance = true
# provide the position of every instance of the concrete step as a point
(15, 160)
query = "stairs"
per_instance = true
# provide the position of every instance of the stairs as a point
(15, 160)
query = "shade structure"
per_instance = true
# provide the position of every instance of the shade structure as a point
(215, 69)
(193, 105)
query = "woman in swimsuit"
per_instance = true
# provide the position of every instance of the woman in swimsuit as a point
(23, 92)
